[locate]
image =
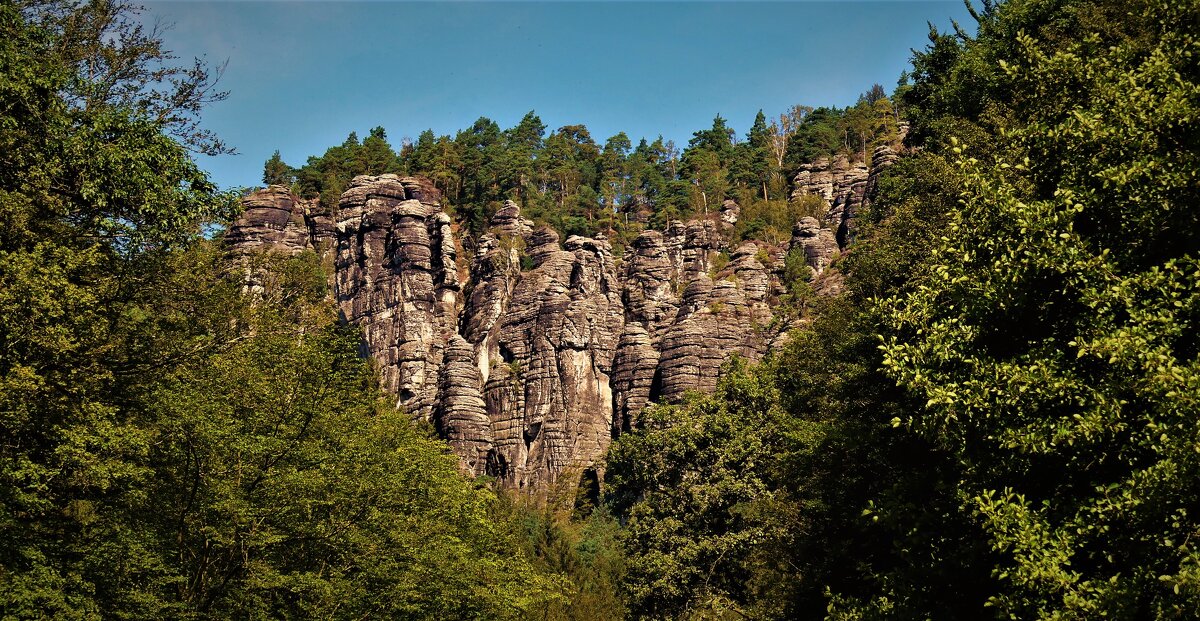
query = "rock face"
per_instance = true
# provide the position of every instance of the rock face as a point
(272, 219)
(395, 277)
(543, 340)
(839, 183)
(533, 353)
(651, 298)
(720, 315)
(684, 318)
(730, 212)
(818, 243)
(846, 187)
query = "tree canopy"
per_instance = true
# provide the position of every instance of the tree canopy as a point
(574, 182)
(997, 419)
(176, 445)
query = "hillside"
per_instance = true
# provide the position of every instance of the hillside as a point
(532, 353)
(935, 355)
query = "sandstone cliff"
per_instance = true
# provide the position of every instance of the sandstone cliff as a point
(529, 356)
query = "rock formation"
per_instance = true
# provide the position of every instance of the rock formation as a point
(531, 355)
(545, 340)
(839, 183)
(460, 414)
(272, 219)
(847, 188)
(720, 315)
(730, 212)
(395, 278)
(651, 299)
(818, 244)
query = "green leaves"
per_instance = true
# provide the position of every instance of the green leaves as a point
(689, 487)
(174, 446)
(1050, 335)
(282, 468)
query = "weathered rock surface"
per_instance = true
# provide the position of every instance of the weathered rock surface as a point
(847, 187)
(531, 360)
(272, 219)
(460, 414)
(730, 212)
(718, 318)
(634, 370)
(395, 278)
(652, 284)
(819, 244)
(550, 356)
(839, 183)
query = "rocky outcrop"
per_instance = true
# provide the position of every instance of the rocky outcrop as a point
(691, 246)
(460, 414)
(719, 317)
(635, 367)
(653, 281)
(531, 356)
(818, 243)
(395, 278)
(550, 356)
(847, 187)
(841, 184)
(730, 212)
(651, 284)
(272, 219)
(494, 274)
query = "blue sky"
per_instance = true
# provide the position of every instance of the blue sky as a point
(302, 75)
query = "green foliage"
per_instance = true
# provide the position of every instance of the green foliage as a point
(796, 269)
(585, 549)
(291, 489)
(1022, 446)
(688, 487)
(719, 262)
(1057, 356)
(566, 180)
(177, 446)
(772, 221)
(277, 172)
(817, 136)
(327, 176)
(93, 194)
(899, 230)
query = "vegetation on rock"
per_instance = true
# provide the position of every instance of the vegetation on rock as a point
(994, 418)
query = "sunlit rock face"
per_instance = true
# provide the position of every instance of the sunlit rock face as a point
(847, 187)
(721, 314)
(395, 277)
(841, 184)
(273, 219)
(460, 413)
(652, 284)
(818, 243)
(532, 353)
(549, 358)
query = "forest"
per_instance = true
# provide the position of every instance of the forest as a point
(997, 418)
(567, 180)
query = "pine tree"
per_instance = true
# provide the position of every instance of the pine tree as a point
(277, 172)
